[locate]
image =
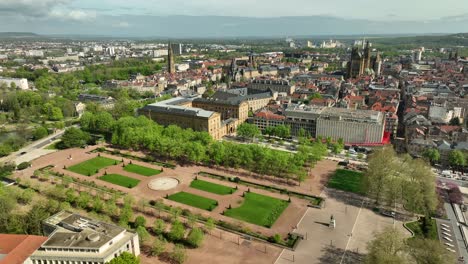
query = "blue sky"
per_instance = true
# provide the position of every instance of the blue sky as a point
(60, 16)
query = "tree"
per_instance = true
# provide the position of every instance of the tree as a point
(387, 247)
(179, 254)
(125, 258)
(74, 137)
(432, 155)
(140, 221)
(209, 224)
(159, 227)
(457, 158)
(142, 234)
(177, 231)
(159, 245)
(40, 132)
(195, 237)
(455, 121)
(428, 251)
(282, 131)
(247, 130)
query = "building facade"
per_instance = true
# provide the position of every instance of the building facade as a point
(19, 83)
(281, 86)
(179, 111)
(237, 108)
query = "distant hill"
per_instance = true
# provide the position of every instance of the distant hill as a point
(18, 35)
(459, 39)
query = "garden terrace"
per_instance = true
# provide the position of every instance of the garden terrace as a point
(120, 180)
(314, 200)
(258, 209)
(211, 187)
(141, 170)
(92, 166)
(194, 200)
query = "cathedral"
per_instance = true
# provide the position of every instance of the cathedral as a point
(362, 63)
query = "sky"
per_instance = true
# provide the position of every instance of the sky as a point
(28, 15)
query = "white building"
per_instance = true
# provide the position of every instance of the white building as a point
(74, 239)
(35, 53)
(160, 53)
(20, 83)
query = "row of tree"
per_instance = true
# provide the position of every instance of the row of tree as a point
(173, 142)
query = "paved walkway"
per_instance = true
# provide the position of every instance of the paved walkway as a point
(355, 226)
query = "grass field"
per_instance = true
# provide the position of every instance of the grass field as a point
(121, 180)
(91, 166)
(258, 209)
(347, 180)
(194, 200)
(145, 171)
(212, 187)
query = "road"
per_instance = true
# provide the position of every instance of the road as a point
(455, 225)
(28, 150)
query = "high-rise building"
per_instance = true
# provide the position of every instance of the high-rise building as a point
(170, 60)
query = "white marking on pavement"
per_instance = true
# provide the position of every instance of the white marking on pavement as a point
(352, 230)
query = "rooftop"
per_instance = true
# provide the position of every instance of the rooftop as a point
(15, 249)
(172, 106)
(76, 231)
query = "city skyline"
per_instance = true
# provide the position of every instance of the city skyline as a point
(141, 18)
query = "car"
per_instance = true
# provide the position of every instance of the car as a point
(22, 153)
(388, 213)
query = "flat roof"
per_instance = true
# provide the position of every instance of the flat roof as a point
(76, 231)
(171, 106)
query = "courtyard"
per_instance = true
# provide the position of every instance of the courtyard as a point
(256, 209)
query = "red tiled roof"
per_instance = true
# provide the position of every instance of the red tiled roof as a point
(18, 247)
(448, 129)
(269, 115)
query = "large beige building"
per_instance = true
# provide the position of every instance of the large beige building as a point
(280, 86)
(75, 239)
(229, 108)
(179, 111)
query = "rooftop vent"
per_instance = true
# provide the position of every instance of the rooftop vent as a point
(93, 237)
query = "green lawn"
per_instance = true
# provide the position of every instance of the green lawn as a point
(145, 171)
(347, 180)
(258, 209)
(212, 187)
(91, 166)
(194, 200)
(121, 180)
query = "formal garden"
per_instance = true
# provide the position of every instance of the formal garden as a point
(120, 180)
(92, 166)
(194, 200)
(141, 170)
(258, 209)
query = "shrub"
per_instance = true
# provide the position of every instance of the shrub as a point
(23, 165)
(195, 238)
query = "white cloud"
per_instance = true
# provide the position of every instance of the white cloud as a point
(123, 24)
(44, 9)
(74, 15)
